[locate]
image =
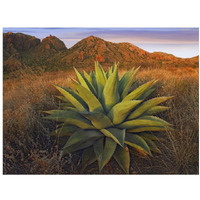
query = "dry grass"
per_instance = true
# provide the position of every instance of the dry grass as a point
(29, 150)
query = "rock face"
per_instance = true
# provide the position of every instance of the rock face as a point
(13, 43)
(52, 42)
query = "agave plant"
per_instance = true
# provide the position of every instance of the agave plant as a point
(104, 118)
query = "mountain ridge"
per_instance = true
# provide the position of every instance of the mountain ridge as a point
(51, 53)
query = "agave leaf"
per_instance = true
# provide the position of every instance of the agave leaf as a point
(88, 156)
(100, 78)
(152, 145)
(71, 117)
(154, 118)
(144, 121)
(135, 94)
(98, 149)
(120, 111)
(98, 119)
(81, 139)
(146, 94)
(149, 128)
(67, 102)
(87, 76)
(58, 112)
(82, 136)
(124, 80)
(92, 102)
(110, 92)
(107, 74)
(94, 81)
(110, 71)
(129, 83)
(137, 142)
(148, 136)
(122, 156)
(146, 106)
(77, 147)
(73, 98)
(156, 109)
(64, 131)
(84, 82)
(108, 151)
(118, 135)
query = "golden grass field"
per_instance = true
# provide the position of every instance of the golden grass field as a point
(28, 149)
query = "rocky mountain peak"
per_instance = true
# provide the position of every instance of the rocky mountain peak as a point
(52, 42)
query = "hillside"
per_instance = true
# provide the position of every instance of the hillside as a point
(20, 50)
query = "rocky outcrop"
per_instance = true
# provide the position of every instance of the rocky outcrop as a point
(15, 42)
(52, 42)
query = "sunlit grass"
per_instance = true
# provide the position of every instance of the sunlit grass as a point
(29, 149)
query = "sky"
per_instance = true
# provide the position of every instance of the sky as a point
(181, 42)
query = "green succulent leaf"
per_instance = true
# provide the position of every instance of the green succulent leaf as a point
(120, 111)
(98, 148)
(148, 136)
(84, 82)
(100, 78)
(109, 72)
(71, 117)
(88, 156)
(87, 76)
(149, 128)
(146, 94)
(144, 121)
(92, 102)
(118, 135)
(73, 98)
(156, 109)
(110, 92)
(129, 83)
(64, 131)
(55, 112)
(152, 145)
(104, 154)
(137, 142)
(135, 94)
(122, 156)
(156, 119)
(94, 82)
(81, 139)
(124, 80)
(146, 106)
(67, 102)
(98, 119)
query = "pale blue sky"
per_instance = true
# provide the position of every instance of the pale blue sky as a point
(181, 42)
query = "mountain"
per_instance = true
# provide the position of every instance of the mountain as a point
(13, 43)
(20, 50)
(49, 45)
(51, 54)
(93, 48)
